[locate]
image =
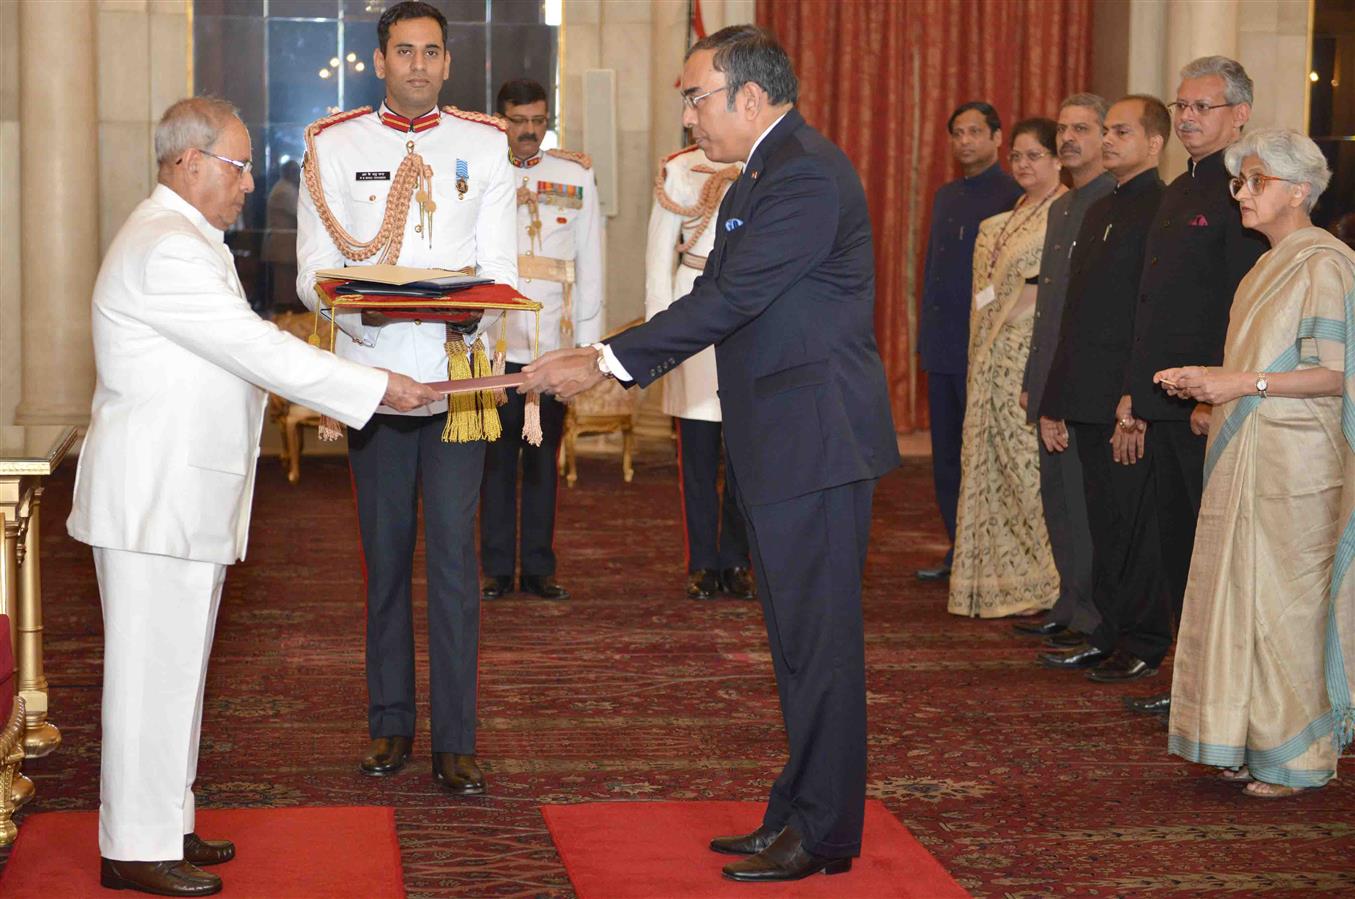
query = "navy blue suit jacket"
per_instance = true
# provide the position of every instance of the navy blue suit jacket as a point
(788, 299)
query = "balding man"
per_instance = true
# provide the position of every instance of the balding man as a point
(166, 477)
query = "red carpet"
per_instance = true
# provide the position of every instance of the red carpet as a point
(666, 854)
(283, 853)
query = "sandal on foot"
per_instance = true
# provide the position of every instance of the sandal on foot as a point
(1259, 789)
(1236, 775)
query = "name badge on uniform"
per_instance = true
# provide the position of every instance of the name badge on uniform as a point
(984, 297)
(373, 176)
(557, 194)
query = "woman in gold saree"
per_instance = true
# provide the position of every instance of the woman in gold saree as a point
(1003, 563)
(1266, 651)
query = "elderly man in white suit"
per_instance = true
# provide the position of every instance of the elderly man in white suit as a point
(166, 478)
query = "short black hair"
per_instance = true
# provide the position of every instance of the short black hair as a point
(1156, 121)
(409, 9)
(519, 92)
(1046, 131)
(750, 53)
(984, 109)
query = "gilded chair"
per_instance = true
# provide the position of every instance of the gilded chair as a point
(292, 418)
(606, 408)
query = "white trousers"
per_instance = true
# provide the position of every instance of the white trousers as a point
(159, 616)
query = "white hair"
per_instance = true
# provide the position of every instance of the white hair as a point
(191, 123)
(1237, 84)
(1286, 154)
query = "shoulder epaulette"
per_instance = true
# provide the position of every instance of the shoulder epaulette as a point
(582, 159)
(338, 118)
(472, 116)
(671, 156)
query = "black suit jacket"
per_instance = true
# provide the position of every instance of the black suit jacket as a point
(1097, 334)
(788, 299)
(1196, 255)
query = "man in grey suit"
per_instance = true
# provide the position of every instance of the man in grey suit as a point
(1081, 119)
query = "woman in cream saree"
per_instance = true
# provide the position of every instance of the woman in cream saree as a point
(1262, 681)
(1003, 564)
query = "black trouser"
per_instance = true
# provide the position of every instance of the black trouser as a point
(1178, 485)
(946, 397)
(1065, 515)
(716, 535)
(809, 554)
(499, 530)
(1129, 588)
(395, 460)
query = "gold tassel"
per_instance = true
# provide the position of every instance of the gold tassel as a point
(484, 399)
(531, 420)
(463, 413)
(501, 358)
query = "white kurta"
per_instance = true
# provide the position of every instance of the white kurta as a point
(571, 228)
(357, 160)
(690, 389)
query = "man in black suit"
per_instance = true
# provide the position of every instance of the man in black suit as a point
(1197, 253)
(1086, 376)
(787, 298)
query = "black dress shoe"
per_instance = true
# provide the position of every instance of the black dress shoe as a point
(703, 584)
(1065, 640)
(543, 586)
(939, 573)
(1120, 667)
(458, 773)
(1083, 657)
(386, 756)
(738, 582)
(785, 859)
(200, 852)
(1043, 629)
(170, 878)
(747, 844)
(496, 587)
(1152, 705)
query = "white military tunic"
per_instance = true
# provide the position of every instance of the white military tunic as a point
(570, 228)
(357, 160)
(690, 389)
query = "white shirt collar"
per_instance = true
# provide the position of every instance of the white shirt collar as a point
(167, 196)
(763, 135)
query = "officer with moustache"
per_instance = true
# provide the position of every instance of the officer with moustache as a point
(459, 215)
(558, 222)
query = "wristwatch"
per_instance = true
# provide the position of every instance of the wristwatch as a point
(1262, 384)
(602, 361)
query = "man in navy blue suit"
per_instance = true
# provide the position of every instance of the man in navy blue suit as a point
(788, 299)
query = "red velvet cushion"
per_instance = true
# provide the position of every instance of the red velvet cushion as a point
(6, 672)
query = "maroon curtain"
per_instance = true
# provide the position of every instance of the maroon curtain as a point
(880, 78)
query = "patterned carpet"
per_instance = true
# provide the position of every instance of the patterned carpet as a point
(1023, 782)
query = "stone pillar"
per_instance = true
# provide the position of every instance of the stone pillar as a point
(59, 210)
(1194, 28)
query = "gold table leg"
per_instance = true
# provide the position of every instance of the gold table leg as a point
(15, 789)
(42, 736)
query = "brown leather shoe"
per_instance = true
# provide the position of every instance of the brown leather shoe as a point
(386, 756)
(785, 859)
(703, 584)
(738, 582)
(747, 844)
(171, 878)
(458, 773)
(197, 851)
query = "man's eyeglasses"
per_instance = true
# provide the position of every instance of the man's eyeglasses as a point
(1255, 183)
(536, 121)
(1199, 107)
(690, 100)
(1030, 156)
(242, 167)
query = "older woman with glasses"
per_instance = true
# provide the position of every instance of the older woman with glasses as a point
(1266, 651)
(1003, 563)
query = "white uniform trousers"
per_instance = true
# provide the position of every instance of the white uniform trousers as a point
(159, 616)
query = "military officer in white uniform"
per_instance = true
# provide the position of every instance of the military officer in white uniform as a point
(460, 215)
(559, 221)
(687, 195)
